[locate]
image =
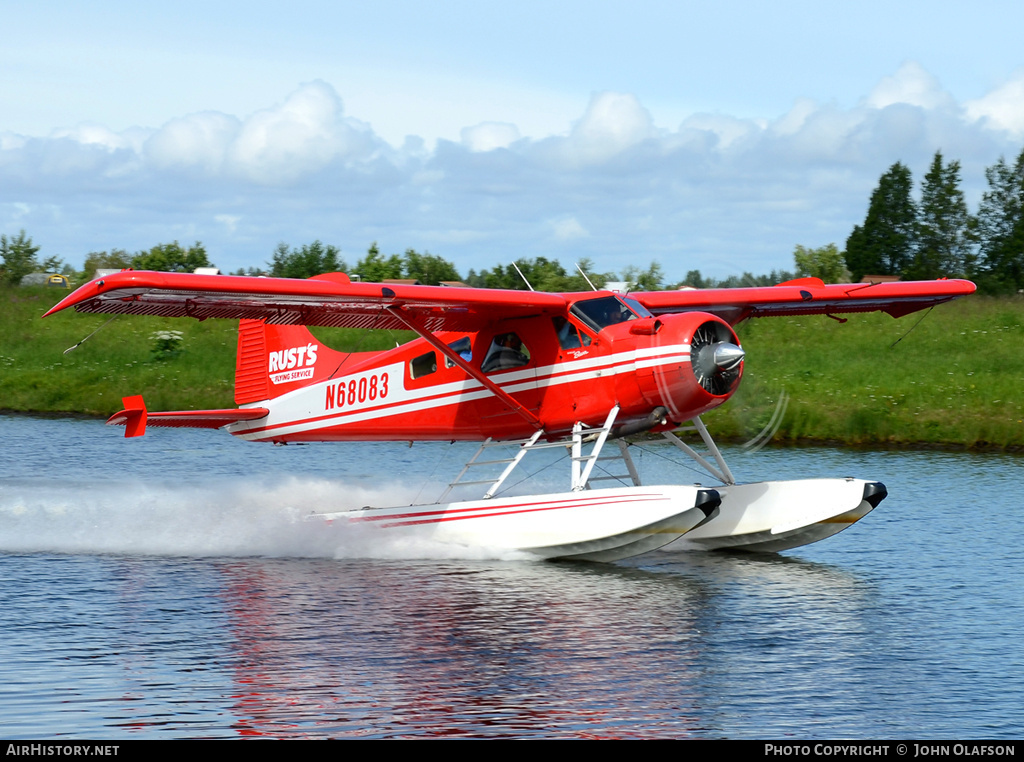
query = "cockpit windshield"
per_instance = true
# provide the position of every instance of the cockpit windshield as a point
(607, 310)
(638, 309)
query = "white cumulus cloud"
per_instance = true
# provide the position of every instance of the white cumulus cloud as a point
(304, 134)
(910, 85)
(1003, 108)
(489, 136)
(568, 228)
(612, 123)
(726, 130)
(721, 193)
(199, 141)
(95, 135)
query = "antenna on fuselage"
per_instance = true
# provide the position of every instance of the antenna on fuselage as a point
(592, 286)
(522, 276)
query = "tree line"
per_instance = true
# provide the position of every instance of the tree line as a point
(937, 236)
(19, 258)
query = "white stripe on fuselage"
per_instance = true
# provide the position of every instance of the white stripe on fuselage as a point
(291, 413)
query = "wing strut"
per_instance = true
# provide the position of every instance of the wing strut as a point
(416, 325)
(724, 475)
(581, 474)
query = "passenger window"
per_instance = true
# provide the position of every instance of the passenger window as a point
(423, 365)
(463, 348)
(506, 351)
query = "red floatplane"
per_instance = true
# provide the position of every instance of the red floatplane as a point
(536, 370)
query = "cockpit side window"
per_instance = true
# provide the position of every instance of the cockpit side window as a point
(603, 312)
(569, 336)
(506, 351)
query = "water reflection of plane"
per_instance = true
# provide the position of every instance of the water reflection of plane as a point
(380, 649)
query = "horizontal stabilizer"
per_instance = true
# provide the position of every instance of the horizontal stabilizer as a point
(135, 417)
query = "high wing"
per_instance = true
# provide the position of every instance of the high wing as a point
(333, 300)
(326, 300)
(807, 296)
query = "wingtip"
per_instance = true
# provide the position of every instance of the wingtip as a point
(79, 295)
(63, 304)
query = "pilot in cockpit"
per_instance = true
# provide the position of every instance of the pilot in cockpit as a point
(614, 315)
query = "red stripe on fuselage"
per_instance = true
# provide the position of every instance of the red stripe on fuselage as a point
(447, 515)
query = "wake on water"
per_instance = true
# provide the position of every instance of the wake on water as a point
(217, 518)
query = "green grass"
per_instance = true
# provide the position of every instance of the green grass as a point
(955, 379)
(35, 375)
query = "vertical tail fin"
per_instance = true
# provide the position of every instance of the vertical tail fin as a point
(275, 359)
(133, 417)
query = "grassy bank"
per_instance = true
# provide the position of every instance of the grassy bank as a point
(123, 358)
(955, 379)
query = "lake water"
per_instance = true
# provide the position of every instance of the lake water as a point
(167, 588)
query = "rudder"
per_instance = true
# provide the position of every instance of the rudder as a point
(275, 359)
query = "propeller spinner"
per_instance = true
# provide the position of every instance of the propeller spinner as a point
(716, 361)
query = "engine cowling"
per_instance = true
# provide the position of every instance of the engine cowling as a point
(692, 364)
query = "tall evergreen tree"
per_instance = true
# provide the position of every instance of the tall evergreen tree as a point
(944, 245)
(1001, 227)
(884, 244)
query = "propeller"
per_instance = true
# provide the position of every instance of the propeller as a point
(715, 359)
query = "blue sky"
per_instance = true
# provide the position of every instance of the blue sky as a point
(704, 136)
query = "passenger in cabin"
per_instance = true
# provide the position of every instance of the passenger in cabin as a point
(505, 352)
(464, 349)
(568, 336)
